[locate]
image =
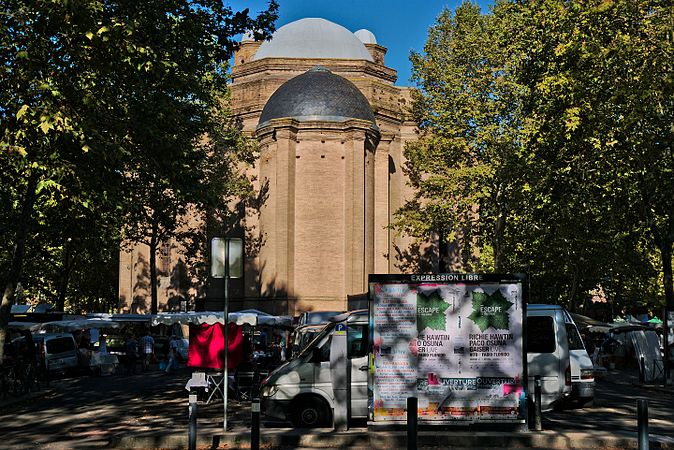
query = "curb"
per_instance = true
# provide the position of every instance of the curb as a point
(328, 438)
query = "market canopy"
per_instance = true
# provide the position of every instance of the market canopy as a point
(22, 325)
(60, 326)
(134, 318)
(248, 317)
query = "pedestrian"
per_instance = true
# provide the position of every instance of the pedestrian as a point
(102, 344)
(131, 354)
(172, 355)
(147, 350)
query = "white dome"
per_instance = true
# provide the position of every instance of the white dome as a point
(365, 36)
(313, 38)
(248, 36)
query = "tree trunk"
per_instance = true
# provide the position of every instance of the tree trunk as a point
(68, 264)
(574, 290)
(499, 230)
(22, 230)
(153, 268)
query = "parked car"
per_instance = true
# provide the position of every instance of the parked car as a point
(58, 351)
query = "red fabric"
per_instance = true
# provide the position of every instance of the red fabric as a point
(207, 344)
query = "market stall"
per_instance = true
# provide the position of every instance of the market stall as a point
(206, 343)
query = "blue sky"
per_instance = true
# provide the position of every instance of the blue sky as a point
(399, 25)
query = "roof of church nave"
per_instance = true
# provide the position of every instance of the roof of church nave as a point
(317, 94)
(316, 38)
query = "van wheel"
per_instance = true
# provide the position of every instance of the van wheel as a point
(311, 413)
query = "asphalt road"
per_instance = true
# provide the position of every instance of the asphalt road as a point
(93, 412)
(615, 408)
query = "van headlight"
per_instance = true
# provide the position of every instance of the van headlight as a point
(268, 390)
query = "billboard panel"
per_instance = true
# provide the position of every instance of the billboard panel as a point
(454, 341)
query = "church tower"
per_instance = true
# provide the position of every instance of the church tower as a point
(332, 127)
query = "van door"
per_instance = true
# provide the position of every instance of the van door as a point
(322, 374)
(357, 354)
(543, 357)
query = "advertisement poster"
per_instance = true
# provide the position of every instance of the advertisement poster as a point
(454, 341)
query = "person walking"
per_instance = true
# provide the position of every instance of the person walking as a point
(147, 350)
(131, 354)
(172, 355)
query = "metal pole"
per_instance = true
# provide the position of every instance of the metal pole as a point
(537, 400)
(255, 424)
(225, 377)
(412, 423)
(642, 422)
(193, 420)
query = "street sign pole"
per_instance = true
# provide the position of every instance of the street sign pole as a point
(225, 375)
(226, 262)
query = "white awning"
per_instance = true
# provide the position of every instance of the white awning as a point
(252, 318)
(75, 324)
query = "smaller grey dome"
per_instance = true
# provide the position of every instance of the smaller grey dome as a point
(317, 94)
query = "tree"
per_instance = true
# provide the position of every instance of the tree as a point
(469, 166)
(528, 121)
(75, 75)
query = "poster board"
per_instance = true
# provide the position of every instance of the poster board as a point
(454, 341)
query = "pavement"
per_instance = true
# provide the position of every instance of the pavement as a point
(150, 411)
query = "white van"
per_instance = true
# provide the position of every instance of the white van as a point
(548, 352)
(573, 378)
(301, 390)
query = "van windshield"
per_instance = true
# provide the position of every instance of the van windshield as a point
(318, 337)
(575, 341)
(60, 345)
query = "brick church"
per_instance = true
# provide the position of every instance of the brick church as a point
(332, 127)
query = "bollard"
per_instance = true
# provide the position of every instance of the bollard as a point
(412, 423)
(255, 424)
(192, 444)
(537, 406)
(642, 422)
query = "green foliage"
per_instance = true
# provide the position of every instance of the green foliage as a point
(467, 166)
(602, 116)
(104, 110)
(546, 145)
